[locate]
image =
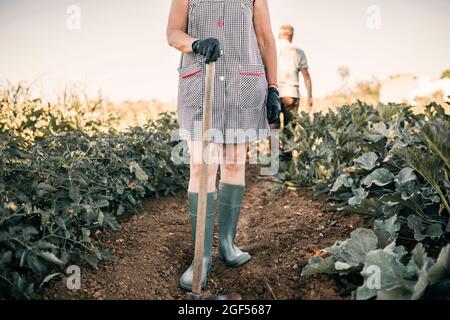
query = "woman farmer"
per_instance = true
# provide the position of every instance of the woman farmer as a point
(237, 35)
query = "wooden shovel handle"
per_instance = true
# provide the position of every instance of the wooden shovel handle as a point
(202, 196)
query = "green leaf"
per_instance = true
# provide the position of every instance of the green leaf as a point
(131, 199)
(141, 191)
(436, 134)
(441, 269)
(6, 259)
(342, 266)
(415, 223)
(108, 256)
(434, 231)
(367, 161)
(49, 278)
(343, 180)
(36, 264)
(46, 245)
(29, 232)
(140, 174)
(101, 218)
(45, 216)
(120, 189)
(46, 187)
(120, 210)
(358, 196)
(61, 223)
(51, 258)
(381, 128)
(91, 260)
(111, 222)
(400, 293)
(74, 194)
(408, 190)
(428, 165)
(18, 287)
(318, 265)
(354, 250)
(419, 256)
(386, 231)
(364, 293)
(399, 252)
(380, 177)
(405, 175)
(388, 208)
(421, 285)
(103, 203)
(421, 263)
(387, 269)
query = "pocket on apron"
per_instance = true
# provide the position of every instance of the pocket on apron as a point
(190, 86)
(252, 86)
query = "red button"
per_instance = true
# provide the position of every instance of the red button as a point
(220, 23)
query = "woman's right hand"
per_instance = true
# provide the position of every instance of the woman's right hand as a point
(209, 48)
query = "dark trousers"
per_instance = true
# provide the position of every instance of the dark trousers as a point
(289, 107)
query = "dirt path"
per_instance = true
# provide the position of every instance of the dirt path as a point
(154, 248)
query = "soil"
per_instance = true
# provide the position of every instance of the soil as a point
(281, 230)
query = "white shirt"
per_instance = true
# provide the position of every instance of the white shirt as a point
(291, 60)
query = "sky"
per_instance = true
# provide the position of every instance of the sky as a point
(120, 48)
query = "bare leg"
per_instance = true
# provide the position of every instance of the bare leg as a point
(232, 167)
(196, 165)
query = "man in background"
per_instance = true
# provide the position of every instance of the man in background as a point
(291, 61)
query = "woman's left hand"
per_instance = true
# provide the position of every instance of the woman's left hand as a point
(273, 105)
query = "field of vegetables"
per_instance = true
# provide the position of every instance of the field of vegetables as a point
(66, 174)
(62, 178)
(394, 166)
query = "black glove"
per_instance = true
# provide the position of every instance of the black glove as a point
(273, 106)
(209, 48)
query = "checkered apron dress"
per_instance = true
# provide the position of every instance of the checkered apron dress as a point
(239, 110)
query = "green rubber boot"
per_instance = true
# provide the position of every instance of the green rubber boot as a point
(188, 276)
(230, 197)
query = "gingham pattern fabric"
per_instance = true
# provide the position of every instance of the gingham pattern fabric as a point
(239, 110)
